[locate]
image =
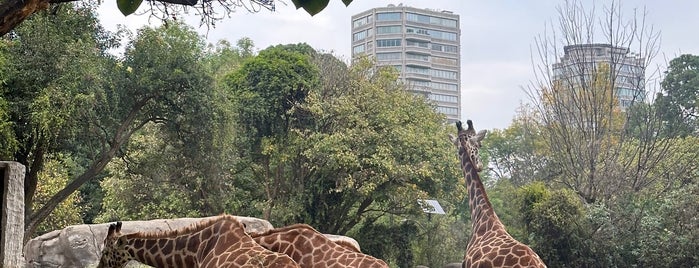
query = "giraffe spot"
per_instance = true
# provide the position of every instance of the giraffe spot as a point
(167, 248)
(138, 243)
(499, 261)
(150, 244)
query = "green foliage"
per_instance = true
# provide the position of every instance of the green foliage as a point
(378, 236)
(678, 104)
(143, 185)
(55, 175)
(128, 7)
(315, 6)
(518, 152)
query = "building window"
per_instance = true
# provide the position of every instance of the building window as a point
(444, 86)
(430, 20)
(388, 16)
(359, 36)
(388, 29)
(417, 70)
(419, 83)
(358, 49)
(412, 43)
(442, 35)
(445, 61)
(419, 57)
(444, 74)
(432, 33)
(416, 30)
(443, 98)
(388, 56)
(361, 21)
(445, 48)
(448, 110)
(369, 45)
(388, 43)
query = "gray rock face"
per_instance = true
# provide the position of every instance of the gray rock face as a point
(12, 235)
(81, 245)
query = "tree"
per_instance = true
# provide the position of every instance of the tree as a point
(14, 12)
(194, 170)
(678, 103)
(263, 91)
(88, 104)
(518, 153)
(578, 104)
(54, 177)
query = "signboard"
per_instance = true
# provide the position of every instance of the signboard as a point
(430, 206)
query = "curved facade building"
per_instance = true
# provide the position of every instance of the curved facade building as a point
(423, 44)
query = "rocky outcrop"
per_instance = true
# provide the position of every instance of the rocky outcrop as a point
(81, 245)
(12, 235)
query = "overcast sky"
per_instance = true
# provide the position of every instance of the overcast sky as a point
(496, 38)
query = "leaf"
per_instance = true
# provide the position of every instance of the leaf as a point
(312, 6)
(127, 7)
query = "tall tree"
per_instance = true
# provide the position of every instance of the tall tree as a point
(578, 103)
(193, 170)
(88, 104)
(264, 91)
(678, 103)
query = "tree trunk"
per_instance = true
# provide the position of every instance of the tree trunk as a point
(14, 12)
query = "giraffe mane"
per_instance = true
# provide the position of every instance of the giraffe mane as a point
(284, 229)
(193, 228)
(347, 245)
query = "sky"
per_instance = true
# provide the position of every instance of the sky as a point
(497, 39)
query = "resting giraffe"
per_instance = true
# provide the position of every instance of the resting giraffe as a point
(309, 248)
(218, 242)
(490, 244)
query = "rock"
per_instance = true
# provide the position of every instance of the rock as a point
(453, 265)
(12, 176)
(81, 245)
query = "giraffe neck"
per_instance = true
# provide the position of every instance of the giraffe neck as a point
(162, 252)
(181, 250)
(483, 216)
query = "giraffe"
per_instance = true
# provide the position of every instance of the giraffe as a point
(490, 245)
(218, 242)
(310, 248)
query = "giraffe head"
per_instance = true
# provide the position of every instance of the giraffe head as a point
(114, 253)
(469, 143)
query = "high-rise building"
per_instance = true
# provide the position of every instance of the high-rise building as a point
(626, 69)
(423, 44)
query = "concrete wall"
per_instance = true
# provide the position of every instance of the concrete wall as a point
(12, 174)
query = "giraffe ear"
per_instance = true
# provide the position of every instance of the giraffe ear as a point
(118, 227)
(481, 135)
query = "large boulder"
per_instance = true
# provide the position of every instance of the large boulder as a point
(81, 245)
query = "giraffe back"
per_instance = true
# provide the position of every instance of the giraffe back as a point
(310, 248)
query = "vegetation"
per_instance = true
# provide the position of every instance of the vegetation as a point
(175, 128)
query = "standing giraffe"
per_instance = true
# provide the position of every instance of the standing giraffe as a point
(490, 244)
(309, 248)
(218, 242)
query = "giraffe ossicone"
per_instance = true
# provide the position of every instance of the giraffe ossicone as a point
(217, 242)
(490, 245)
